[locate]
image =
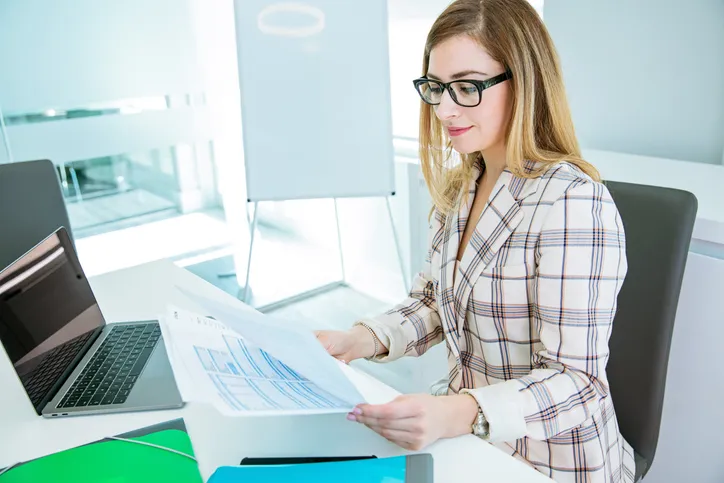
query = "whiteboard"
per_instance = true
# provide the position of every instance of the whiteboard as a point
(315, 98)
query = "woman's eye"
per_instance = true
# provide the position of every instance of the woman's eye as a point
(468, 90)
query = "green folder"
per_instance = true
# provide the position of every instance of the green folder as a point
(113, 461)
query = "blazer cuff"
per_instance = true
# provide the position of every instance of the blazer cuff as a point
(502, 404)
(388, 328)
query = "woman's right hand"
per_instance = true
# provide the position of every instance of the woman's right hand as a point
(356, 343)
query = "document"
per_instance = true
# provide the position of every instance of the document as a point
(243, 362)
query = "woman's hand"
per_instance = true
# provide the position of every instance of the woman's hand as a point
(415, 421)
(347, 346)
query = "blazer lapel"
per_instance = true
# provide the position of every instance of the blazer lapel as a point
(500, 217)
(445, 297)
(454, 227)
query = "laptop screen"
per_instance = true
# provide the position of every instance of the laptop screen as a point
(48, 313)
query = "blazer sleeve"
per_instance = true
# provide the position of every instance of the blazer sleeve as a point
(411, 327)
(581, 267)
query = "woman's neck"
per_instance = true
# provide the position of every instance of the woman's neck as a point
(495, 162)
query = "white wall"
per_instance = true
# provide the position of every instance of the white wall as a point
(215, 35)
(644, 77)
(692, 426)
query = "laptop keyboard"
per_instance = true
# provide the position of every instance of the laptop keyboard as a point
(38, 382)
(113, 370)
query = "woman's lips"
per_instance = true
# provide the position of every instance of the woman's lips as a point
(457, 131)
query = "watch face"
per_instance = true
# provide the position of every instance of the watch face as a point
(481, 432)
(481, 428)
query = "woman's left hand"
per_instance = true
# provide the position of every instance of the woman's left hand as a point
(415, 421)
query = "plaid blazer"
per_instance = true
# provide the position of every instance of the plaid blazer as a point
(526, 316)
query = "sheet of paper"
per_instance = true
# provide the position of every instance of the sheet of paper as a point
(296, 347)
(213, 364)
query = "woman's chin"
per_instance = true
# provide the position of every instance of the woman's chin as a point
(463, 147)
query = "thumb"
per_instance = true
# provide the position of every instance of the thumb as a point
(324, 339)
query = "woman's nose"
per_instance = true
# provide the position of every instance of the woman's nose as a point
(447, 109)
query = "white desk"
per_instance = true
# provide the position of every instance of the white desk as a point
(143, 292)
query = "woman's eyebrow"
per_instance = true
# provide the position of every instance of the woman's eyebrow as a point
(457, 75)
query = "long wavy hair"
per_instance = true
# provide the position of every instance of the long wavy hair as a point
(540, 128)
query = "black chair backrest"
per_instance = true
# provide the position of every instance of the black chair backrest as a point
(658, 224)
(31, 207)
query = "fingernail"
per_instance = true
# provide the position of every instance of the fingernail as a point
(343, 361)
(357, 411)
(351, 417)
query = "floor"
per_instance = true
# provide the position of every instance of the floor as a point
(201, 243)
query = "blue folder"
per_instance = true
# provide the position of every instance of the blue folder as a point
(398, 469)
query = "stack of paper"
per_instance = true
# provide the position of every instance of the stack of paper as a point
(244, 363)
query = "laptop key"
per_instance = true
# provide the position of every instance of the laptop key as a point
(95, 400)
(107, 400)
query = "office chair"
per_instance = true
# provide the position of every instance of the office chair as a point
(31, 207)
(658, 223)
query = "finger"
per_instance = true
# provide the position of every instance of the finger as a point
(326, 343)
(321, 337)
(411, 425)
(398, 409)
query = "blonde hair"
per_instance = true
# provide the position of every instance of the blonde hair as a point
(540, 128)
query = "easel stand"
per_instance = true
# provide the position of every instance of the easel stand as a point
(325, 288)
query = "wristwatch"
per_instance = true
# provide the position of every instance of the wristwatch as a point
(480, 426)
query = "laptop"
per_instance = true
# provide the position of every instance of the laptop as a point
(69, 360)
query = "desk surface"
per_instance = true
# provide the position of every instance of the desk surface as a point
(143, 292)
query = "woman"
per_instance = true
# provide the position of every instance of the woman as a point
(526, 260)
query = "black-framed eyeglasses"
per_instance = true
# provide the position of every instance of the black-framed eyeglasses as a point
(465, 92)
